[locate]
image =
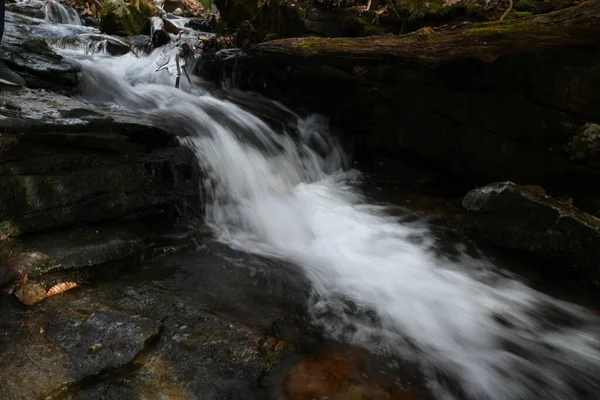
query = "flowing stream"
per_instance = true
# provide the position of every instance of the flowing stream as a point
(377, 282)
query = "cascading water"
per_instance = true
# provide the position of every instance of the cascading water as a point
(60, 14)
(478, 334)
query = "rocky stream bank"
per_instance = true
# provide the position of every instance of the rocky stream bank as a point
(93, 195)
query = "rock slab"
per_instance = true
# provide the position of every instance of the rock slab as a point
(64, 162)
(526, 218)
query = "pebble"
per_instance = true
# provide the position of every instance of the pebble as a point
(30, 294)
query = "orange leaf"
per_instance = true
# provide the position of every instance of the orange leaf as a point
(60, 288)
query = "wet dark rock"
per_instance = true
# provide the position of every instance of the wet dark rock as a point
(140, 44)
(115, 46)
(30, 9)
(259, 292)
(65, 162)
(8, 276)
(121, 338)
(49, 352)
(584, 146)
(17, 265)
(30, 293)
(170, 27)
(201, 25)
(186, 326)
(25, 50)
(79, 247)
(590, 204)
(186, 352)
(160, 36)
(526, 218)
(89, 21)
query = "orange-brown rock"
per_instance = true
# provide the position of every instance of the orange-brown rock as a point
(347, 373)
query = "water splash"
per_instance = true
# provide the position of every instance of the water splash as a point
(377, 282)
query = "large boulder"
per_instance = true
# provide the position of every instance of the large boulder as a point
(526, 218)
(25, 49)
(64, 162)
(125, 19)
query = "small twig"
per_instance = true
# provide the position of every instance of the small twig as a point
(186, 75)
(394, 8)
(509, 9)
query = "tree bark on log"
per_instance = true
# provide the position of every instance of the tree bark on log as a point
(575, 26)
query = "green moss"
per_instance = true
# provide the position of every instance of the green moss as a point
(526, 5)
(312, 44)
(208, 4)
(6, 141)
(500, 28)
(355, 24)
(521, 14)
(9, 228)
(120, 18)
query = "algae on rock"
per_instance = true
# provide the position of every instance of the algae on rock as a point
(123, 19)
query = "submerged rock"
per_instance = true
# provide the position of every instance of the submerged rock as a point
(345, 372)
(50, 351)
(526, 218)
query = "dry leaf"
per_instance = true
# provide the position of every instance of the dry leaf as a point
(60, 288)
(95, 348)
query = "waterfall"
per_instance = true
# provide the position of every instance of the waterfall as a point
(376, 281)
(58, 13)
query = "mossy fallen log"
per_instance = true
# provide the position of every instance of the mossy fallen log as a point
(579, 25)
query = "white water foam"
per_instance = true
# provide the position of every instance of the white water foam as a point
(59, 13)
(377, 282)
